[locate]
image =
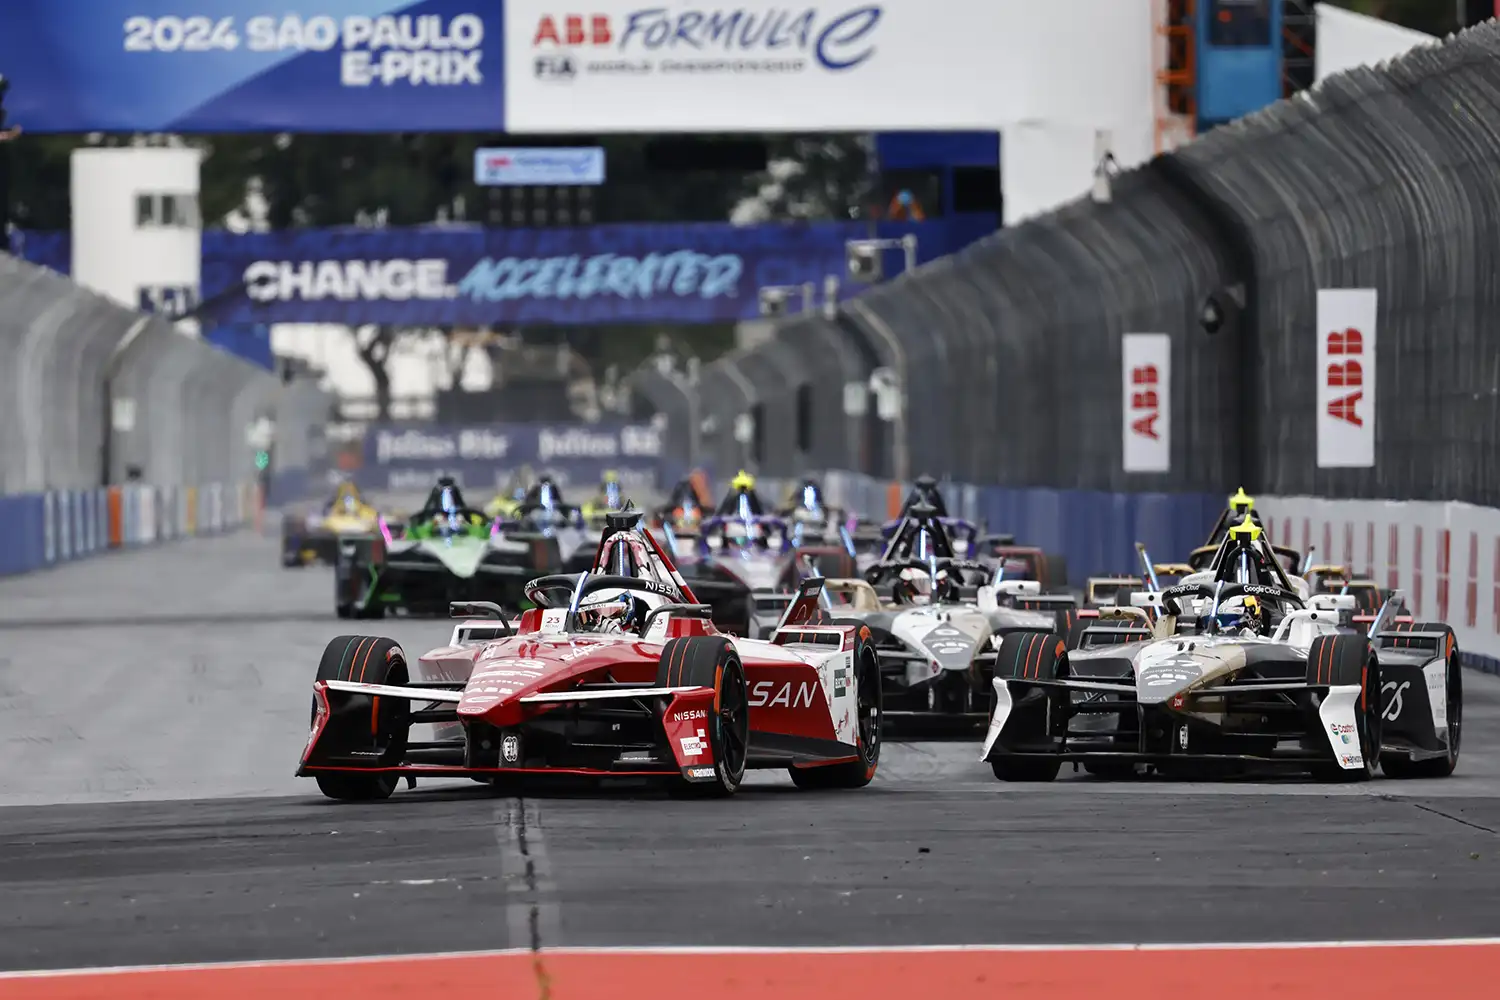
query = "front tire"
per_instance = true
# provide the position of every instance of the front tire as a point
(382, 724)
(711, 662)
(1340, 661)
(1034, 656)
(869, 718)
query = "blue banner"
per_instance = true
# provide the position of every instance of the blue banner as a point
(236, 66)
(429, 446)
(687, 273)
(450, 275)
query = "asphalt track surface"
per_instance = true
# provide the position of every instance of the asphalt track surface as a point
(153, 704)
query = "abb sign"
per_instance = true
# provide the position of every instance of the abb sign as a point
(1346, 378)
(1147, 362)
(573, 29)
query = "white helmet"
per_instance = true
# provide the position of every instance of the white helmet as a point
(914, 585)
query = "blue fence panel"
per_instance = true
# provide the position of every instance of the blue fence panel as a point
(22, 524)
(64, 526)
(1096, 532)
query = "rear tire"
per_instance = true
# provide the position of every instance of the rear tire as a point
(711, 662)
(1342, 660)
(368, 660)
(869, 716)
(1394, 766)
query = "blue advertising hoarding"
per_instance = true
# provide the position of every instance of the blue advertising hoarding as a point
(434, 446)
(687, 273)
(446, 275)
(409, 457)
(233, 66)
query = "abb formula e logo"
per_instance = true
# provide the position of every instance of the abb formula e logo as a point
(786, 694)
(716, 40)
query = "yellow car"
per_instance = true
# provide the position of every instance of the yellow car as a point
(313, 536)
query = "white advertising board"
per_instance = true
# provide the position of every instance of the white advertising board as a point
(843, 65)
(1146, 364)
(1346, 378)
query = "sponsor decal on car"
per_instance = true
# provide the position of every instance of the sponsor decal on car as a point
(769, 694)
(694, 713)
(1343, 731)
(1161, 676)
(694, 746)
(701, 772)
(1393, 710)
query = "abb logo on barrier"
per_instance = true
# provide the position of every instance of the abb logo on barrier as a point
(573, 29)
(1147, 402)
(1144, 402)
(1346, 407)
(1346, 375)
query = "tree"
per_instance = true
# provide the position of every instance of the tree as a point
(812, 178)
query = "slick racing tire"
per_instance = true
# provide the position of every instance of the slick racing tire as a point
(1396, 766)
(364, 722)
(711, 662)
(1063, 618)
(1344, 660)
(1039, 656)
(869, 715)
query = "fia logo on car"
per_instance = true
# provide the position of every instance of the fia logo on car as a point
(510, 748)
(1393, 710)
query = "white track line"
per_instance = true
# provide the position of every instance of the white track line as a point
(666, 951)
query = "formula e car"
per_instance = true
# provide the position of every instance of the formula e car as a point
(312, 536)
(937, 623)
(615, 673)
(1241, 507)
(748, 568)
(444, 552)
(1241, 669)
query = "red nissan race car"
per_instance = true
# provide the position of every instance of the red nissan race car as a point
(618, 672)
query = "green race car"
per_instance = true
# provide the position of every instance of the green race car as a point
(445, 552)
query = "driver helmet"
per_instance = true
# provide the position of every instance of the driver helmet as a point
(1240, 614)
(610, 611)
(948, 586)
(913, 586)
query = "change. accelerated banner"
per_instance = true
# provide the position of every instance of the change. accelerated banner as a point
(245, 65)
(691, 273)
